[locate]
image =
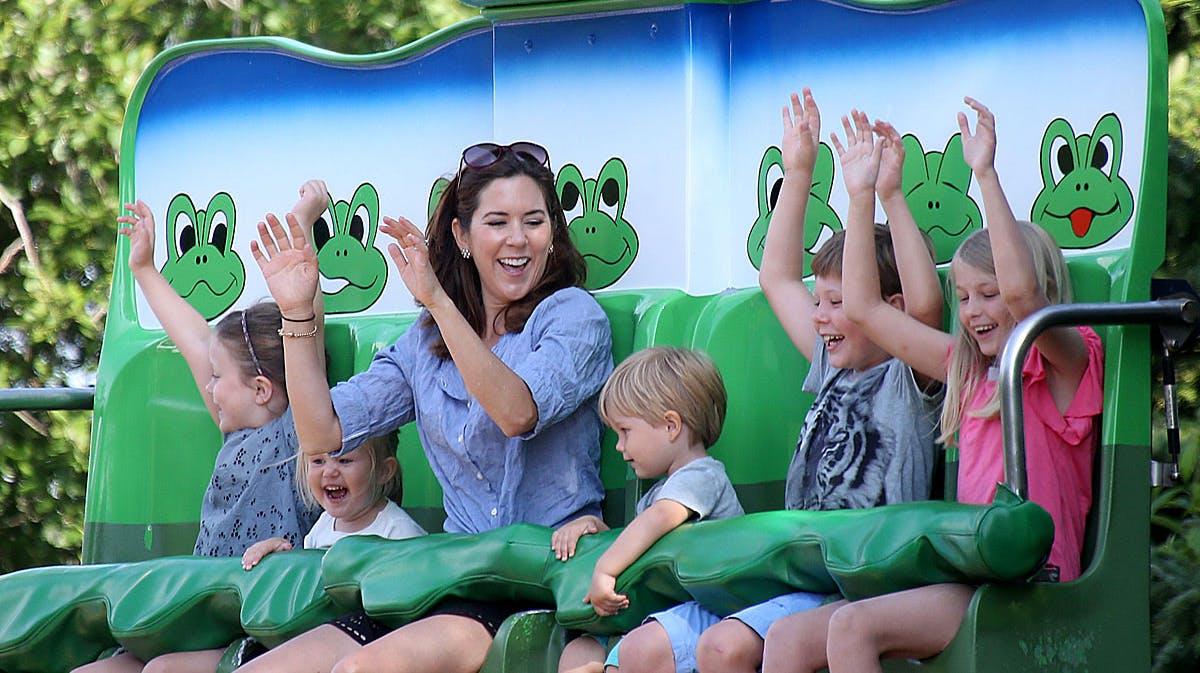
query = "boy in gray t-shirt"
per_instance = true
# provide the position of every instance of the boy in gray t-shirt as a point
(667, 406)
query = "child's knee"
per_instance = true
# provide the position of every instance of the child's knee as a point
(647, 648)
(729, 645)
(850, 626)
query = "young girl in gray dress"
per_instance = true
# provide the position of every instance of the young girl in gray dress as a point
(238, 367)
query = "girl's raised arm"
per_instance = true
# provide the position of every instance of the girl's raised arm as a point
(186, 328)
(782, 272)
(1021, 289)
(885, 323)
(918, 274)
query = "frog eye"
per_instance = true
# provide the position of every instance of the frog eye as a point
(219, 231)
(610, 197)
(572, 201)
(186, 237)
(1102, 154)
(358, 223)
(322, 232)
(1063, 159)
(774, 183)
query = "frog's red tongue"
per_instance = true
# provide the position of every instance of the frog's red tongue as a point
(1081, 221)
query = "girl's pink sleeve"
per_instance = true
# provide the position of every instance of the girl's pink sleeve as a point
(1078, 422)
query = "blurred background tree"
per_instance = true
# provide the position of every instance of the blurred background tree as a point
(67, 68)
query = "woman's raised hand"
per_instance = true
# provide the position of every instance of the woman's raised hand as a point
(891, 166)
(288, 263)
(801, 133)
(861, 155)
(140, 233)
(979, 149)
(411, 256)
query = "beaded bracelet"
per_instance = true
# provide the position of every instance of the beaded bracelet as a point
(299, 335)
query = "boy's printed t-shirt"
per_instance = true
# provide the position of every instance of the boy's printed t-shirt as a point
(702, 486)
(867, 440)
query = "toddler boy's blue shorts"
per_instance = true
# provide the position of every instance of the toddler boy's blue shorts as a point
(685, 622)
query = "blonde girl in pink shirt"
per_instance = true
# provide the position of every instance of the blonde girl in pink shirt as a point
(999, 275)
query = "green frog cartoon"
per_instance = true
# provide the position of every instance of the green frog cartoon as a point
(935, 187)
(435, 195)
(1083, 202)
(201, 263)
(820, 220)
(607, 242)
(346, 252)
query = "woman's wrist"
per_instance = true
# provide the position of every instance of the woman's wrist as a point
(308, 318)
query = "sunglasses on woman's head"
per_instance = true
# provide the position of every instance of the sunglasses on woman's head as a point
(483, 155)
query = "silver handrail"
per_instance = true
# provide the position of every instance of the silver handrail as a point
(1012, 413)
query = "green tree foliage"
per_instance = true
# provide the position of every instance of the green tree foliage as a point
(66, 70)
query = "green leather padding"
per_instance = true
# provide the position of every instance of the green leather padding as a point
(397, 581)
(193, 603)
(730, 564)
(57, 618)
(726, 565)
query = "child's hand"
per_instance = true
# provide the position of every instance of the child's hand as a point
(887, 183)
(141, 235)
(979, 150)
(314, 199)
(603, 596)
(411, 256)
(801, 134)
(860, 157)
(564, 539)
(260, 549)
(288, 263)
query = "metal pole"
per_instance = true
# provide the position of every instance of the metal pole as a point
(1012, 414)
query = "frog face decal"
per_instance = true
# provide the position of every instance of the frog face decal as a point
(435, 195)
(201, 264)
(820, 220)
(1083, 202)
(596, 221)
(345, 241)
(935, 188)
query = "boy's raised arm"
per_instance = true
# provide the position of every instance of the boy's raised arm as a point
(646, 528)
(186, 328)
(918, 274)
(782, 272)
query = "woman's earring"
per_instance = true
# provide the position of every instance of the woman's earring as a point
(465, 253)
(551, 250)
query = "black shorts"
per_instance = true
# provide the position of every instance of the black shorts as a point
(490, 615)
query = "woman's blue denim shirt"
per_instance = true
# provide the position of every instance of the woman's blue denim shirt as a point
(549, 475)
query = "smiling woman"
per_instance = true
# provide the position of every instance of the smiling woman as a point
(500, 374)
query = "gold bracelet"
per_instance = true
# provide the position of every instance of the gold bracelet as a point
(299, 335)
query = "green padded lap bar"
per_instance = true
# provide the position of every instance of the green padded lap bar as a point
(397, 581)
(56, 618)
(726, 564)
(193, 603)
(730, 564)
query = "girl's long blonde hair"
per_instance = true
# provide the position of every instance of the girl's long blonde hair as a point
(968, 366)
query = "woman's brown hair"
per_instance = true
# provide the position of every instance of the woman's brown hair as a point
(460, 278)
